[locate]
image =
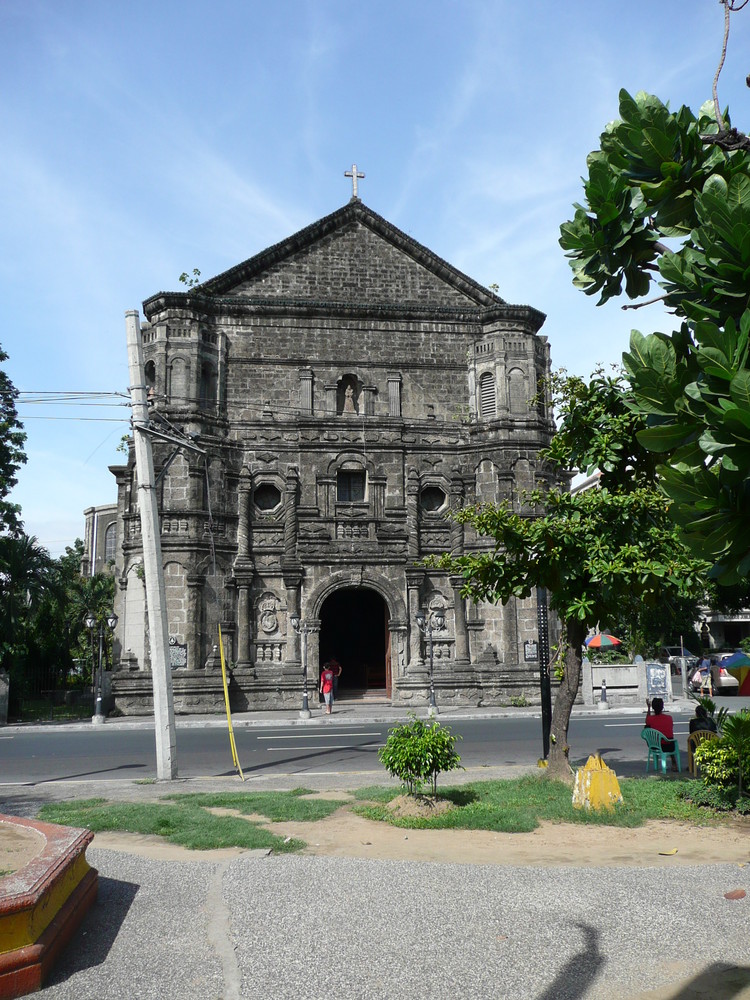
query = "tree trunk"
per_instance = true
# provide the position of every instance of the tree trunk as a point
(558, 766)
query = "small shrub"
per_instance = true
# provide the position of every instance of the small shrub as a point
(519, 701)
(416, 752)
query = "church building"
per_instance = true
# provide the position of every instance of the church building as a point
(348, 389)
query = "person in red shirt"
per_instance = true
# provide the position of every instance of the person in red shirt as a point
(657, 718)
(326, 686)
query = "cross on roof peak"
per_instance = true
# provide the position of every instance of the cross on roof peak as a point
(354, 174)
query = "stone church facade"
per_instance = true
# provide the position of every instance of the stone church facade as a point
(349, 388)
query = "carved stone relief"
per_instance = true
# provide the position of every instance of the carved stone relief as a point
(268, 620)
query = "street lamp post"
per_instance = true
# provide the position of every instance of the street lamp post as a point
(91, 624)
(433, 621)
(304, 629)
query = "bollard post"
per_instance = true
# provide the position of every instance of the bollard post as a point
(603, 704)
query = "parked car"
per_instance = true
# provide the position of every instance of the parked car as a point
(726, 684)
(678, 657)
(725, 656)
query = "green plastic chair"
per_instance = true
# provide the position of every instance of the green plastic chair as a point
(653, 740)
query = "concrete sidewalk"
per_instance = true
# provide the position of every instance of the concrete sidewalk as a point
(309, 927)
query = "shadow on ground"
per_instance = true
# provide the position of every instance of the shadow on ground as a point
(580, 971)
(93, 940)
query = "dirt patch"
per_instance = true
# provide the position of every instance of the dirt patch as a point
(344, 834)
(18, 846)
(418, 806)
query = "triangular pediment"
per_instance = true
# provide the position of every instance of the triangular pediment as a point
(352, 256)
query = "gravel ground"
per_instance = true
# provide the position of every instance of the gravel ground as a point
(308, 927)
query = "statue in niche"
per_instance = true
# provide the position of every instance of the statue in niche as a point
(349, 400)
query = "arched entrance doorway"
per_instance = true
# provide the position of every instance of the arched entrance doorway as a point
(354, 630)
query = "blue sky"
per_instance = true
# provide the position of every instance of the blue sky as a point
(148, 138)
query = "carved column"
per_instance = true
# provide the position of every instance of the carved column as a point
(459, 611)
(244, 622)
(326, 496)
(291, 500)
(412, 515)
(394, 394)
(196, 501)
(244, 527)
(243, 570)
(368, 400)
(331, 391)
(306, 392)
(378, 485)
(293, 584)
(193, 626)
(313, 658)
(457, 529)
(399, 639)
(291, 569)
(413, 583)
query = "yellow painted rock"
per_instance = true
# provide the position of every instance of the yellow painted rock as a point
(596, 786)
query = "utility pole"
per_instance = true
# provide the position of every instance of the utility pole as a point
(166, 742)
(545, 688)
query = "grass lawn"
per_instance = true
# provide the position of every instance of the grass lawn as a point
(517, 805)
(186, 820)
(510, 806)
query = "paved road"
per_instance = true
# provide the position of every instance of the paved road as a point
(126, 751)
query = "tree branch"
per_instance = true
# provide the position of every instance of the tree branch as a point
(715, 87)
(648, 302)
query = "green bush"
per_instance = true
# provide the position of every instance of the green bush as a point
(712, 796)
(416, 752)
(719, 763)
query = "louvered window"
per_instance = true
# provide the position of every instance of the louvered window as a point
(487, 400)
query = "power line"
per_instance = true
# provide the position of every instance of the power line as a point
(101, 420)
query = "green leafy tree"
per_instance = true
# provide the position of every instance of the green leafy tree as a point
(24, 578)
(24, 575)
(93, 594)
(598, 433)
(667, 200)
(12, 455)
(593, 551)
(58, 635)
(598, 429)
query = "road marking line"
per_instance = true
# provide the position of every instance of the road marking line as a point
(332, 746)
(311, 736)
(632, 725)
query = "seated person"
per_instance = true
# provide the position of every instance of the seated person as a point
(702, 720)
(657, 718)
